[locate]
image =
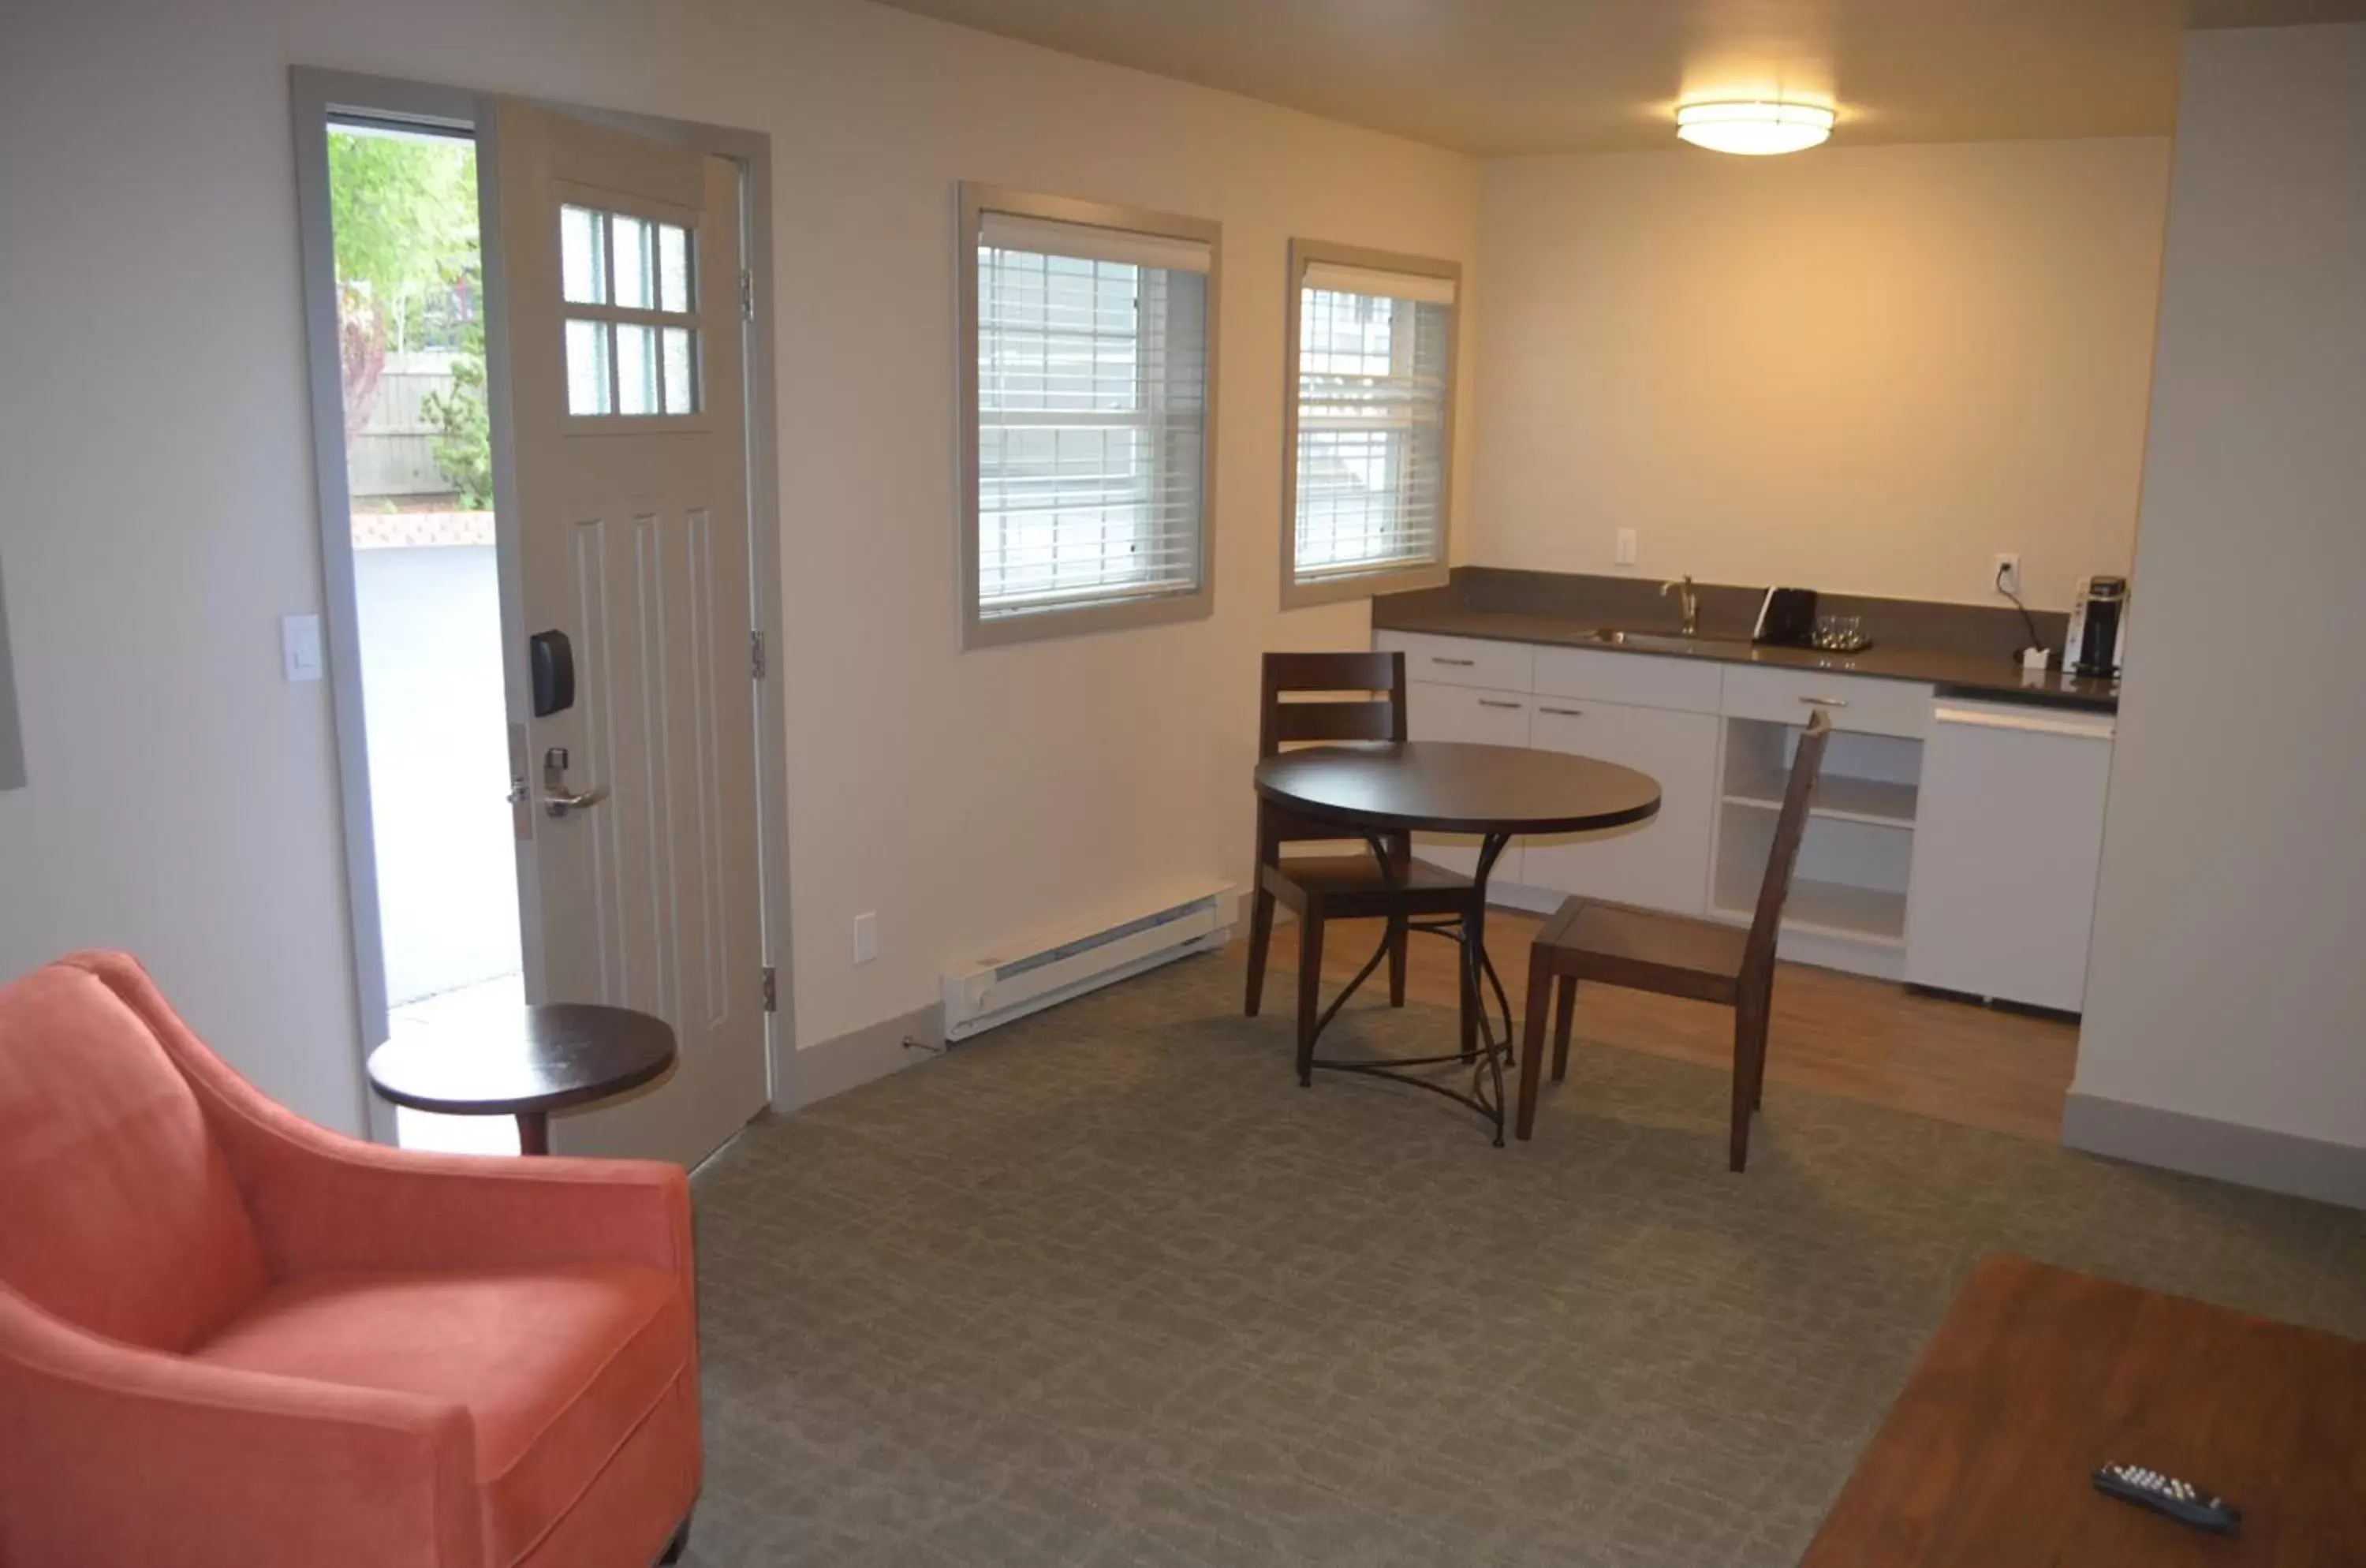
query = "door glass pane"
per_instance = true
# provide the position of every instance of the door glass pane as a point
(673, 267)
(587, 368)
(582, 265)
(680, 371)
(637, 368)
(636, 245)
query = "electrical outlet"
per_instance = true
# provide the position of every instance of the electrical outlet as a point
(1624, 553)
(866, 938)
(2005, 575)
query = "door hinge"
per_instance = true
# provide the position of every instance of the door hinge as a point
(756, 655)
(771, 991)
(747, 296)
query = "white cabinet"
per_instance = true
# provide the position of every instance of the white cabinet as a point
(1693, 684)
(1868, 705)
(1434, 712)
(1461, 660)
(1965, 860)
(2007, 846)
(1661, 864)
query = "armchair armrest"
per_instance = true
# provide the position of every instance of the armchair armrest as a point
(119, 1457)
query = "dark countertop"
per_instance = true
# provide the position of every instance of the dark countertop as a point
(1458, 611)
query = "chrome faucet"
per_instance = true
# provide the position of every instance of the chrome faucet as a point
(1688, 599)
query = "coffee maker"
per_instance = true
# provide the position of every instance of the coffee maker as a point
(2099, 627)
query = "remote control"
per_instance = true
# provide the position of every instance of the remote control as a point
(2180, 1500)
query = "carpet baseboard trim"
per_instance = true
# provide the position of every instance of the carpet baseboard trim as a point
(2254, 1157)
(858, 1056)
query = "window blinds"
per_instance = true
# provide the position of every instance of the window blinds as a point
(1372, 384)
(1092, 360)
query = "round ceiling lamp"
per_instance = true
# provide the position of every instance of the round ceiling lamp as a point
(1753, 128)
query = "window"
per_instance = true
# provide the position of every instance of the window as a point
(1372, 421)
(632, 330)
(1085, 418)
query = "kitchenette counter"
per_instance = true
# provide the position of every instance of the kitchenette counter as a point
(1534, 607)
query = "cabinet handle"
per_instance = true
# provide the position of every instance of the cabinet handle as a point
(1492, 703)
(1826, 702)
(1465, 663)
(1565, 713)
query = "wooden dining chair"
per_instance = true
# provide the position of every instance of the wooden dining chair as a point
(1676, 955)
(1362, 698)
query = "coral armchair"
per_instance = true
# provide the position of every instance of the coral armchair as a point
(229, 1337)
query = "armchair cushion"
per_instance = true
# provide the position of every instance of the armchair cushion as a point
(124, 1219)
(558, 1366)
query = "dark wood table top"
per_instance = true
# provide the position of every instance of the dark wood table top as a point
(2039, 1375)
(1450, 786)
(548, 1058)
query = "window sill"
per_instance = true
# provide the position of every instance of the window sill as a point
(1300, 595)
(1079, 620)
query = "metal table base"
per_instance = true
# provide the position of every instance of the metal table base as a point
(1489, 1058)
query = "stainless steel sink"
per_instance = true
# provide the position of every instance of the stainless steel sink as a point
(1667, 642)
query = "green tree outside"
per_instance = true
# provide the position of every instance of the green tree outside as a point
(405, 213)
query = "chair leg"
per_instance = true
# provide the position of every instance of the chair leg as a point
(1764, 1016)
(677, 1546)
(1749, 1060)
(1532, 1040)
(1473, 999)
(1564, 1014)
(1400, 938)
(1260, 943)
(1310, 985)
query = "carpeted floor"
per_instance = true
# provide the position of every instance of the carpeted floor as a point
(1107, 1287)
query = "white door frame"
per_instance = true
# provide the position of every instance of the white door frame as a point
(317, 96)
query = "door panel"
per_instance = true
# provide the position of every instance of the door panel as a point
(1662, 863)
(632, 538)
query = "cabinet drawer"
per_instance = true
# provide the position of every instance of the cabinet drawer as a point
(1641, 679)
(1856, 702)
(1465, 713)
(1461, 660)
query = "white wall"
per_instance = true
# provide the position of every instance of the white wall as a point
(2227, 979)
(158, 517)
(1861, 369)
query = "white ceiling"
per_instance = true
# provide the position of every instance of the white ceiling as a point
(1508, 77)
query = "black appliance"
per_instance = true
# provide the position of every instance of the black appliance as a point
(1787, 618)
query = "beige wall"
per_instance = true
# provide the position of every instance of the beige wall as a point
(2227, 979)
(1864, 369)
(158, 516)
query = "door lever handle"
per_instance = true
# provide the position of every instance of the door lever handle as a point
(558, 800)
(559, 804)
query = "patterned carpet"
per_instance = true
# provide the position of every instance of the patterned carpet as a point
(1107, 1287)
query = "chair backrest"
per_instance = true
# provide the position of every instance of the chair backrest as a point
(1790, 827)
(1360, 717)
(118, 1210)
(1347, 709)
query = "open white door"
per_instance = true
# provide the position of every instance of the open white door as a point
(621, 268)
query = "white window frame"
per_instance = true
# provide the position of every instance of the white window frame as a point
(980, 630)
(1330, 588)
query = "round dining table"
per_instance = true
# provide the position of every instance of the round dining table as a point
(1377, 790)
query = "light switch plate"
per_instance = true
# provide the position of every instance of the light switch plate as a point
(300, 647)
(1625, 553)
(866, 938)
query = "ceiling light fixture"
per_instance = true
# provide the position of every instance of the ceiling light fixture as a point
(1757, 128)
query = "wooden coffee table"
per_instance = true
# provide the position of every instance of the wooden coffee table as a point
(539, 1059)
(2039, 1375)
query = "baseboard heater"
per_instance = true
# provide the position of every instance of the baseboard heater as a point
(1068, 964)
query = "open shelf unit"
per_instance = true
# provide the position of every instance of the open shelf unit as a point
(1850, 887)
